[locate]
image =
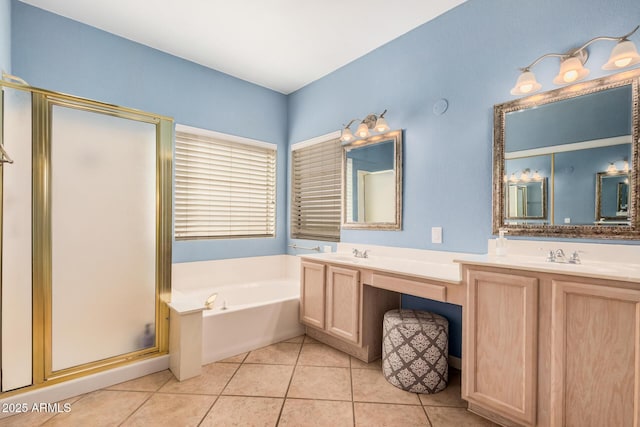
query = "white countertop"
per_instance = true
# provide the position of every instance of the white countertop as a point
(625, 271)
(442, 270)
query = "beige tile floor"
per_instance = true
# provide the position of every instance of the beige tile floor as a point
(299, 382)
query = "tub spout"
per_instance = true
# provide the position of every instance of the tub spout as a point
(209, 302)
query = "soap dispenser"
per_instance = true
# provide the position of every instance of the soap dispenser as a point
(501, 243)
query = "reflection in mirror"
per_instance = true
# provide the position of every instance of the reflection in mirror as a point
(526, 200)
(568, 136)
(372, 182)
(612, 198)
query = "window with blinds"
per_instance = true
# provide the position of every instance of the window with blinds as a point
(223, 188)
(316, 191)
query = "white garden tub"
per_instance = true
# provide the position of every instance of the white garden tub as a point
(257, 301)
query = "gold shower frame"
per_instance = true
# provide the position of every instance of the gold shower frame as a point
(42, 104)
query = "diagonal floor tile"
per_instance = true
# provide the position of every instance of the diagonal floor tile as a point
(276, 354)
(243, 411)
(170, 410)
(322, 355)
(359, 364)
(455, 417)
(100, 408)
(260, 380)
(238, 358)
(212, 380)
(313, 382)
(370, 386)
(311, 413)
(389, 415)
(35, 418)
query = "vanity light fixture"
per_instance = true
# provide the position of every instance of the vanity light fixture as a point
(624, 54)
(612, 168)
(375, 122)
(525, 176)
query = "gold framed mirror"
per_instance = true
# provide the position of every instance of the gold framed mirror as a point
(567, 137)
(372, 184)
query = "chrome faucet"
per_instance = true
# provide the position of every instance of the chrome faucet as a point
(575, 258)
(560, 256)
(361, 254)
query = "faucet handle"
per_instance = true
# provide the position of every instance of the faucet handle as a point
(365, 253)
(551, 257)
(575, 257)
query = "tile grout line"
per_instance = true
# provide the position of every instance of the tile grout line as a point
(222, 389)
(151, 394)
(286, 393)
(353, 403)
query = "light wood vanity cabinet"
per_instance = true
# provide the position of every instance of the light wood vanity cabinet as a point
(544, 349)
(500, 359)
(340, 310)
(330, 299)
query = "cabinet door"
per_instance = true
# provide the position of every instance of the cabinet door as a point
(500, 339)
(312, 294)
(595, 360)
(343, 303)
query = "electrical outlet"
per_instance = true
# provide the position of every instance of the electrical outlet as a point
(567, 220)
(436, 234)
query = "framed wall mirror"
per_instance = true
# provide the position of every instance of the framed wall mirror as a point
(582, 140)
(372, 184)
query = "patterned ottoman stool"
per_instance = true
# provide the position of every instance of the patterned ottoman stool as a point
(415, 347)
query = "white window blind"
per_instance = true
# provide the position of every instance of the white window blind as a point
(316, 191)
(224, 189)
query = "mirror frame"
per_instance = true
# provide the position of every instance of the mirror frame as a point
(626, 232)
(396, 137)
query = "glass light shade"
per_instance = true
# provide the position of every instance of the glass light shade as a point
(513, 177)
(381, 125)
(537, 176)
(612, 168)
(525, 175)
(624, 54)
(363, 130)
(625, 166)
(346, 135)
(526, 84)
(571, 70)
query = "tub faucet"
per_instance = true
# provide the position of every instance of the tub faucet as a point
(361, 254)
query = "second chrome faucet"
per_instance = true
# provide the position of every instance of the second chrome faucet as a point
(560, 257)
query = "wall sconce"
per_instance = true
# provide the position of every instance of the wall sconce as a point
(525, 176)
(624, 54)
(372, 121)
(613, 168)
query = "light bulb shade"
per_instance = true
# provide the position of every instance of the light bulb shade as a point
(526, 84)
(346, 135)
(363, 130)
(536, 176)
(381, 125)
(612, 168)
(624, 54)
(571, 70)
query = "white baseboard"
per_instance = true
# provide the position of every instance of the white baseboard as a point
(78, 386)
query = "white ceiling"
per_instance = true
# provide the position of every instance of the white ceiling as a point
(279, 44)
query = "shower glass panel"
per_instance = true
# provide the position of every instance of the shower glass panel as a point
(103, 236)
(15, 233)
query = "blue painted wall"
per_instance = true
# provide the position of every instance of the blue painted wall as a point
(470, 56)
(5, 35)
(56, 53)
(577, 199)
(598, 115)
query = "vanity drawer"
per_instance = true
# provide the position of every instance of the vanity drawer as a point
(412, 287)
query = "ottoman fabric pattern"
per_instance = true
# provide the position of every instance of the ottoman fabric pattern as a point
(415, 347)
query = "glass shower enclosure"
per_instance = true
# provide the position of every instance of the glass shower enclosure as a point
(85, 233)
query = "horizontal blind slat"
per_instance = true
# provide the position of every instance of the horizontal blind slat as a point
(223, 188)
(316, 185)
